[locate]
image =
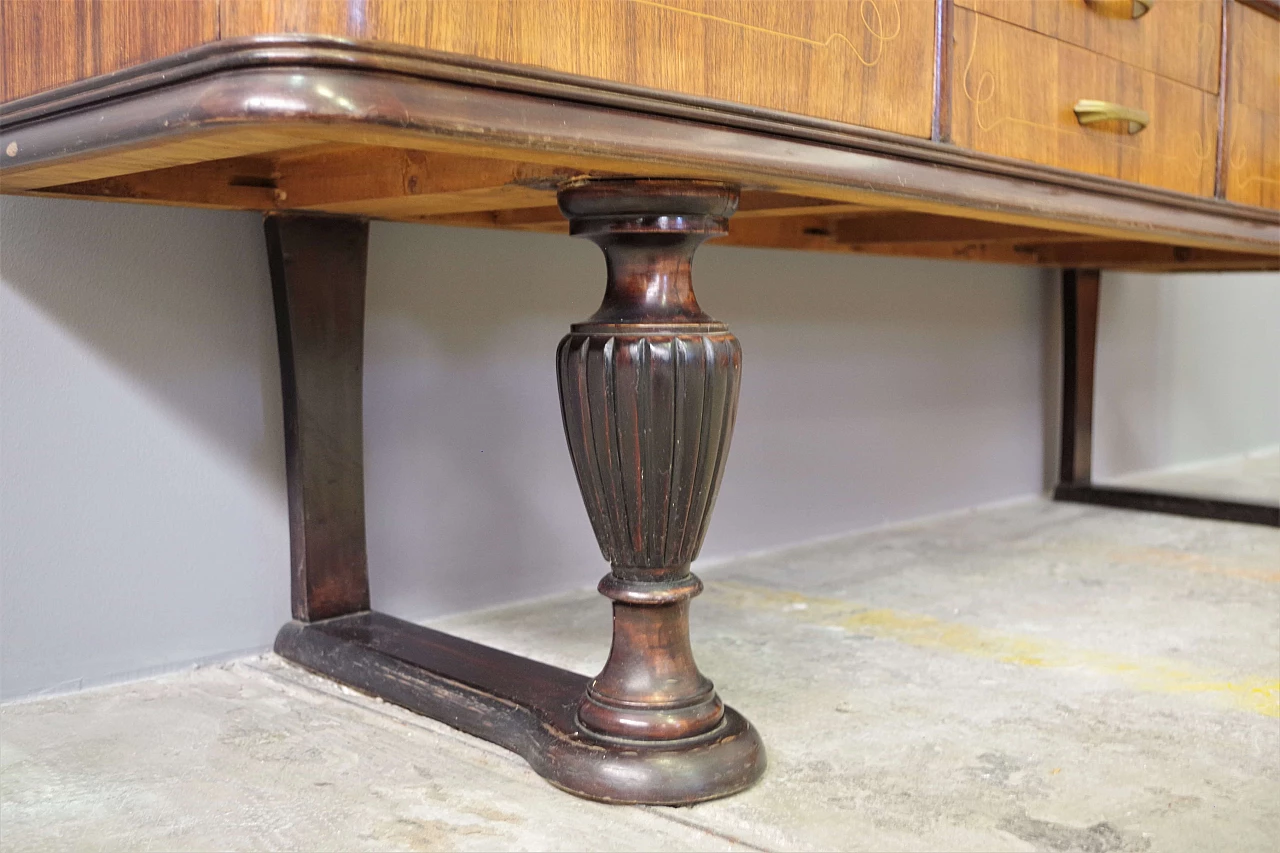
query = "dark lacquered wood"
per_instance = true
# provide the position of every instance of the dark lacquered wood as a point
(649, 390)
(318, 281)
(522, 705)
(1270, 8)
(693, 748)
(1080, 290)
(1194, 506)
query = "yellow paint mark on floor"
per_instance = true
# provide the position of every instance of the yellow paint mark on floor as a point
(1259, 695)
(1169, 558)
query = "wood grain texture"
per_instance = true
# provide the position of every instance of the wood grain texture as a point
(47, 43)
(318, 280)
(649, 393)
(311, 90)
(941, 238)
(1251, 172)
(864, 62)
(1014, 94)
(522, 705)
(1177, 39)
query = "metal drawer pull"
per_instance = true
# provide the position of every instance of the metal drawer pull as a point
(1091, 112)
(1137, 8)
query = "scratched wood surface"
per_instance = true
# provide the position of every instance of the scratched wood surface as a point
(47, 43)
(1014, 91)
(864, 62)
(1252, 136)
(1176, 38)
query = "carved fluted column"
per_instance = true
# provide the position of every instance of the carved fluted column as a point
(649, 390)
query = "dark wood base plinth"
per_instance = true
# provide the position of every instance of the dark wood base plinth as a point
(1218, 509)
(524, 706)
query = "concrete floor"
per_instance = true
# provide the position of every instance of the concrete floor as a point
(1035, 677)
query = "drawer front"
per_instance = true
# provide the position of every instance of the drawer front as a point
(856, 61)
(1178, 39)
(1014, 91)
(1252, 142)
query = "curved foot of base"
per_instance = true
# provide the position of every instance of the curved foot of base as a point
(525, 706)
(726, 760)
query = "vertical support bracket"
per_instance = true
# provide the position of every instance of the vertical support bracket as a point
(318, 281)
(1080, 291)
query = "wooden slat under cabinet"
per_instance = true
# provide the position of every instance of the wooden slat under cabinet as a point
(1252, 168)
(1174, 38)
(48, 43)
(1013, 96)
(865, 62)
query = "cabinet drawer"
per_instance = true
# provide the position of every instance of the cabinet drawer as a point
(1175, 38)
(1014, 91)
(854, 61)
(1252, 142)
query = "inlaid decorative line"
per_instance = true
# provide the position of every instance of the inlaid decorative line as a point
(1239, 177)
(987, 91)
(874, 22)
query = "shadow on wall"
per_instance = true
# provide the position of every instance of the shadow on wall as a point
(142, 517)
(138, 339)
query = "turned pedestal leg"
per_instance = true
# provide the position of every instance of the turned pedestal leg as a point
(649, 385)
(649, 389)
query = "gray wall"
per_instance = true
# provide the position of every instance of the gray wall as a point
(142, 507)
(1187, 370)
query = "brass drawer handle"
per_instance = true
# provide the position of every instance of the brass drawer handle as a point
(1137, 8)
(1091, 112)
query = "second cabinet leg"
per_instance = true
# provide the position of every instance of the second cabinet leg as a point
(649, 390)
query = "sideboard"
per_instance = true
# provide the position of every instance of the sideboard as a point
(1085, 135)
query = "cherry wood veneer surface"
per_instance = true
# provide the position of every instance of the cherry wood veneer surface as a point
(376, 129)
(865, 62)
(1177, 39)
(48, 43)
(1014, 92)
(1252, 136)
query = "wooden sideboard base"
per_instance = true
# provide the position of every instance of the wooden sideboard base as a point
(1081, 289)
(649, 389)
(522, 705)
(1217, 509)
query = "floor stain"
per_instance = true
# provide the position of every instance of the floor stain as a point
(1061, 838)
(1256, 694)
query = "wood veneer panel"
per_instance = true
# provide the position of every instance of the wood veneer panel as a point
(1178, 39)
(543, 119)
(47, 43)
(866, 62)
(1014, 93)
(1252, 136)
